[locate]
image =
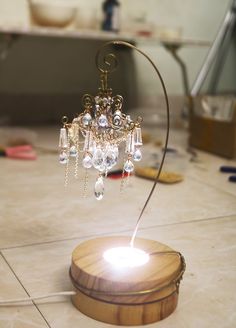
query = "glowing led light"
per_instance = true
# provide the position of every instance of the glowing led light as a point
(128, 257)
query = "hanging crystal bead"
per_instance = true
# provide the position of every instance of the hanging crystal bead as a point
(73, 151)
(63, 139)
(137, 156)
(138, 137)
(87, 161)
(99, 188)
(88, 141)
(102, 121)
(97, 160)
(110, 159)
(130, 144)
(128, 166)
(63, 158)
(86, 120)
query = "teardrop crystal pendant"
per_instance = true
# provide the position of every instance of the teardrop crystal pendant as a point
(129, 166)
(63, 139)
(73, 151)
(99, 188)
(63, 158)
(87, 161)
(110, 159)
(98, 159)
(137, 156)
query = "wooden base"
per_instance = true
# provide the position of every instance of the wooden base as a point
(126, 296)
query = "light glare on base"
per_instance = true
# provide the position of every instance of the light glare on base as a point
(126, 257)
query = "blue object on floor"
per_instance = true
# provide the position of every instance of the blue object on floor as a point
(232, 178)
(228, 169)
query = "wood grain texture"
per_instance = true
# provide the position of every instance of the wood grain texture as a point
(118, 296)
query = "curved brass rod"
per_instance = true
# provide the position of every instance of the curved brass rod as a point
(123, 43)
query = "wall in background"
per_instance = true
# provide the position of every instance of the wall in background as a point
(197, 19)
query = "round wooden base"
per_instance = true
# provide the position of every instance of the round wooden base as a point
(126, 296)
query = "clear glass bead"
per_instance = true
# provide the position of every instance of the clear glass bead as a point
(99, 188)
(97, 99)
(63, 158)
(87, 119)
(137, 156)
(138, 137)
(129, 166)
(73, 151)
(130, 144)
(97, 160)
(110, 159)
(87, 161)
(102, 121)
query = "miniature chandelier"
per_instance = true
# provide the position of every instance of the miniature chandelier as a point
(103, 127)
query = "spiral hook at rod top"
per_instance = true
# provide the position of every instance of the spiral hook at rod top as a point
(109, 61)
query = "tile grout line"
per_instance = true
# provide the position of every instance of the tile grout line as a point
(122, 231)
(17, 278)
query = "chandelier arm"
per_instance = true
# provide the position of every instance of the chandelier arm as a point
(111, 69)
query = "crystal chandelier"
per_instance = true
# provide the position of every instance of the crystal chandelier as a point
(102, 127)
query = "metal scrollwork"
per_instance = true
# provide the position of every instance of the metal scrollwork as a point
(118, 102)
(88, 101)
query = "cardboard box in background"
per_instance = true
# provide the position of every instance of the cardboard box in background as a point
(213, 134)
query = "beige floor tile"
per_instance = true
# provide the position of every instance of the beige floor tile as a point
(16, 316)
(34, 207)
(207, 297)
(208, 171)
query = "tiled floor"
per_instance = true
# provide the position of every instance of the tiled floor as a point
(40, 225)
